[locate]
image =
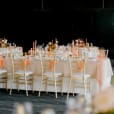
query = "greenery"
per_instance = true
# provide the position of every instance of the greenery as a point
(112, 80)
(109, 112)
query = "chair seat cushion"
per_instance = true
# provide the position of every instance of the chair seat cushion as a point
(50, 74)
(21, 72)
(57, 75)
(3, 71)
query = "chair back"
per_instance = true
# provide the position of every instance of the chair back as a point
(48, 64)
(77, 65)
(19, 64)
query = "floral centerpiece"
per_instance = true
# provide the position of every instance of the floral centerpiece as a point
(103, 102)
(3, 43)
(53, 45)
(80, 42)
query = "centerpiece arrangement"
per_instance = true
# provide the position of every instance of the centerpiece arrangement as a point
(80, 42)
(53, 45)
(4, 43)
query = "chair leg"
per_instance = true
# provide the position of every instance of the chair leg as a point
(68, 94)
(62, 92)
(40, 89)
(26, 88)
(73, 93)
(68, 90)
(56, 90)
(11, 88)
(32, 86)
(46, 86)
(10, 91)
(56, 94)
(18, 86)
(39, 93)
(62, 88)
(6, 85)
(26, 92)
(85, 88)
(73, 89)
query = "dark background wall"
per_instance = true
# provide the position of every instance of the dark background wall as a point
(23, 22)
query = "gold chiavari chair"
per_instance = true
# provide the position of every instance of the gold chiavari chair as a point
(50, 77)
(43, 78)
(3, 72)
(78, 78)
(21, 73)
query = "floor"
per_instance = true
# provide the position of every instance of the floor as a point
(39, 103)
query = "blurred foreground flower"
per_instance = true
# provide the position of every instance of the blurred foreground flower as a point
(103, 102)
(48, 111)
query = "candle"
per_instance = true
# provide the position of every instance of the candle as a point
(31, 51)
(35, 47)
(33, 44)
(86, 40)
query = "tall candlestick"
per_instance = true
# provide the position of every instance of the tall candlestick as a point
(33, 44)
(86, 40)
(31, 52)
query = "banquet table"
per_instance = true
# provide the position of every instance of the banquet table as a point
(63, 67)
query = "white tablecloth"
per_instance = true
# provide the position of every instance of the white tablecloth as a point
(63, 67)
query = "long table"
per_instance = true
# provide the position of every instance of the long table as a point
(63, 67)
